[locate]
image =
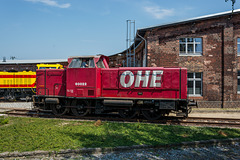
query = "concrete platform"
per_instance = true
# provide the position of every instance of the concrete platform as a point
(22, 105)
(216, 112)
(8, 106)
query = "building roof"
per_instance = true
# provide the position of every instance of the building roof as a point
(33, 61)
(206, 17)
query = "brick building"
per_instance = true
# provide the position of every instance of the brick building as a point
(208, 46)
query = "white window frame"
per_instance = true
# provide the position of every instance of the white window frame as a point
(194, 79)
(238, 46)
(194, 53)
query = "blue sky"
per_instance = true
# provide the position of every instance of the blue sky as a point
(57, 29)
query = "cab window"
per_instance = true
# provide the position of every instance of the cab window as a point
(75, 63)
(82, 63)
(100, 64)
(91, 63)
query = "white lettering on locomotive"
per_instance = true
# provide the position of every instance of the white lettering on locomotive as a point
(155, 78)
(81, 84)
(123, 76)
(140, 78)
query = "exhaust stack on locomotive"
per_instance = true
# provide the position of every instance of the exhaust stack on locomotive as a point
(88, 85)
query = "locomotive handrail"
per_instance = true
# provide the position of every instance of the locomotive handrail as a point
(56, 84)
(33, 90)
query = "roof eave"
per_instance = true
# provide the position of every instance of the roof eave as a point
(216, 15)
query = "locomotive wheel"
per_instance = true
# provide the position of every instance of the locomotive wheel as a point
(152, 114)
(59, 110)
(10, 96)
(80, 110)
(127, 113)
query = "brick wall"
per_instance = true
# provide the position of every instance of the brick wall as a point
(219, 62)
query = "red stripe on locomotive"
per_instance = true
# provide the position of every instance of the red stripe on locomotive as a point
(17, 76)
(16, 86)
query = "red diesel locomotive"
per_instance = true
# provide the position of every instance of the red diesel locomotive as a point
(88, 85)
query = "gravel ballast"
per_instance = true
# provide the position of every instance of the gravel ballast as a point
(206, 153)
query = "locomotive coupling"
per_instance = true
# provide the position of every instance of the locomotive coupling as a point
(192, 103)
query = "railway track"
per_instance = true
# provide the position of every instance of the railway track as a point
(190, 121)
(208, 121)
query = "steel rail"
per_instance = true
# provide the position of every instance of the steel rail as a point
(196, 121)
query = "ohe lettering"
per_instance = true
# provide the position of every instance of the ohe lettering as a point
(155, 80)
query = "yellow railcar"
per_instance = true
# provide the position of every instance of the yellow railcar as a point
(17, 85)
(21, 85)
(17, 79)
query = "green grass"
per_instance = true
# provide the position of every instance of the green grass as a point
(3, 120)
(28, 134)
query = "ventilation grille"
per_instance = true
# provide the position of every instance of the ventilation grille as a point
(90, 92)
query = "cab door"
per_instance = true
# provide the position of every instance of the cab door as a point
(81, 79)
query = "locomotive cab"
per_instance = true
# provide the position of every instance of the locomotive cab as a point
(84, 76)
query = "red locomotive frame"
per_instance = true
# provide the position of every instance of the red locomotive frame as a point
(88, 85)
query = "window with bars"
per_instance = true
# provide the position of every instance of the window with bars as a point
(194, 84)
(190, 46)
